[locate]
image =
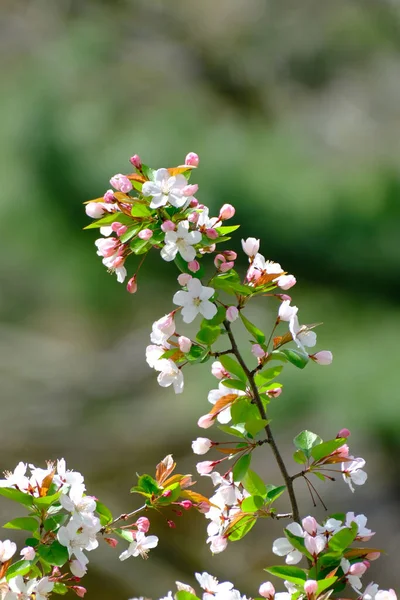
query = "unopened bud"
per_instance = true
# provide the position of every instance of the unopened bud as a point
(190, 189)
(143, 524)
(186, 504)
(324, 357)
(111, 542)
(184, 278)
(28, 553)
(310, 587)
(358, 569)
(145, 234)
(194, 203)
(227, 266)
(274, 392)
(267, 590)
(194, 266)
(94, 210)
(344, 433)
(136, 161)
(184, 344)
(285, 282)
(193, 217)
(192, 159)
(212, 233)
(232, 314)
(373, 555)
(109, 197)
(168, 226)
(167, 494)
(310, 525)
(79, 590)
(205, 421)
(230, 255)
(227, 211)
(131, 286)
(171, 524)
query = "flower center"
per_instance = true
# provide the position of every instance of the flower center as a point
(197, 301)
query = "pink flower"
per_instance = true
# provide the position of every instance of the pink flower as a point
(190, 189)
(136, 161)
(194, 266)
(109, 197)
(227, 211)
(192, 159)
(106, 247)
(143, 524)
(229, 254)
(28, 553)
(168, 226)
(184, 344)
(314, 545)
(186, 504)
(232, 313)
(206, 466)
(94, 210)
(344, 433)
(121, 182)
(324, 357)
(201, 445)
(310, 587)
(131, 286)
(257, 351)
(285, 282)
(310, 525)
(218, 543)
(267, 590)
(205, 421)
(219, 371)
(212, 233)
(111, 542)
(184, 278)
(358, 569)
(251, 246)
(227, 266)
(145, 234)
(274, 392)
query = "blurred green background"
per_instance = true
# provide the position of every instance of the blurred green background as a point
(293, 108)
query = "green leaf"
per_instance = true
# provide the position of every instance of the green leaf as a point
(124, 534)
(148, 484)
(255, 425)
(241, 467)
(104, 513)
(21, 567)
(235, 384)
(108, 219)
(130, 233)
(242, 528)
(217, 319)
(55, 554)
(324, 584)
(326, 448)
(141, 210)
(183, 267)
(297, 542)
(253, 330)
(208, 335)
(232, 431)
(139, 246)
(343, 538)
(183, 595)
(233, 367)
(16, 496)
(306, 440)
(227, 229)
(292, 574)
(54, 522)
(46, 501)
(175, 490)
(300, 457)
(230, 283)
(298, 359)
(268, 375)
(253, 484)
(23, 523)
(252, 504)
(60, 588)
(197, 354)
(274, 492)
(242, 410)
(148, 172)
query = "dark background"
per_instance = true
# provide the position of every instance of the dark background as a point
(293, 108)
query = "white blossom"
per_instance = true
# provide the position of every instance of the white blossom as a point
(163, 329)
(282, 546)
(195, 301)
(353, 473)
(165, 189)
(140, 546)
(182, 240)
(7, 550)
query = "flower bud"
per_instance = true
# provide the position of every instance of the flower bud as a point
(218, 544)
(344, 433)
(190, 189)
(184, 278)
(168, 226)
(28, 553)
(219, 259)
(218, 370)
(267, 590)
(230, 254)
(251, 246)
(194, 203)
(314, 545)
(227, 211)
(121, 182)
(122, 230)
(77, 568)
(201, 445)
(194, 266)
(232, 313)
(115, 226)
(186, 504)
(131, 286)
(193, 217)
(357, 569)
(274, 392)
(324, 357)
(206, 466)
(310, 525)
(136, 161)
(184, 344)
(192, 159)
(226, 266)
(285, 282)
(143, 524)
(79, 590)
(373, 555)
(109, 197)
(310, 587)
(145, 234)
(166, 494)
(94, 210)
(205, 421)
(111, 542)
(171, 524)
(212, 233)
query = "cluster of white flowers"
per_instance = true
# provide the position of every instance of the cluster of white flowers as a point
(33, 588)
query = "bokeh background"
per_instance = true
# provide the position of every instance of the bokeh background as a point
(293, 108)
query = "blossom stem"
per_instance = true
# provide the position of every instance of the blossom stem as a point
(270, 438)
(124, 517)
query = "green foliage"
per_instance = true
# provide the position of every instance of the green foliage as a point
(16, 496)
(104, 513)
(241, 467)
(297, 358)
(54, 554)
(253, 484)
(290, 573)
(233, 367)
(305, 442)
(208, 334)
(257, 334)
(23, 523)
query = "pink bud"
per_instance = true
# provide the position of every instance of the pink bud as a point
(373, 555)
(109, 197)
(145, 234)
(219, 260)
(194, 266)
(190, 189)
(94, 210)
(111, 542)
(324, 357)
(274, 392)
(28, 553)
(194, 203)
(310, 525)
(251, 246)
(143, 524)
(166, 494)
(184, 278)
(218, 544)
(267, 590)
(171, 524)
(118, 262)
(122, 230)
(314, 545)
(357, 569)
(178, 513)
(212, 233)
(218, 370)
(230, 255)
(115, 226)
(79, 590)
(168, 226)
(184, 344)
(232, 313)
(121, 182)
(186, 504)
(285, 282)
(136, 161)
(131, 286)
(206, 466)
(226, 266)
(205, 421)
(201, 445)
(310, 587)
(192, 159)
(193, 217)
(344, 433)
(227, 211)
(257, 351)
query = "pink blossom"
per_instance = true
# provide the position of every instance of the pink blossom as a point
(310, 587)
(310, 525)
(143, 524)
(28, 553)
(79, 590)
(314, 545)
(218, 370)
(186, 504)
(219, 259)
(285, 282)
(109, 197)
(194, 203)
(192, 159)
(201, 445)
(145, 234)
(184, 278)
(206, 466)
(227, 266)
(184, 344)
(136, 161)
(205, 421)
(267, 590)
(373, 555)
(121, 182)
(95, 210)
(324, 357)
(218, 543)
(344, 433)
(111, 542)
(230, 254)
(212, 233)
(358, 569)
(227, 211)
(232, 313)
(194, 266)
(190, 189)
(251, 246)
(257, 351)
(106, 247)
(193, 217)
(274, 392)
(131, 286)
(168, 226)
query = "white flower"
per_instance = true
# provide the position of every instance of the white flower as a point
(205, 222)
(74, 537)
(163, 329)
(17, 478)
(201, 445)
(7, 550)
(282, 546)
(251, 246)
(224, 416)
(28, 553)
(330, 527)
(77, 503)
(154, 354)
(195, 301)
(19, 590)
(353, 580)
(165, 189)
(211, 585)
(66, 477)
(386, 595)
(301, 334)
(170, 374)
(182, 240)
(363, 533)
(287, 312)
(353, 473)
(266, 266)
(43, 588)
(77, 568)
(140, 546)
